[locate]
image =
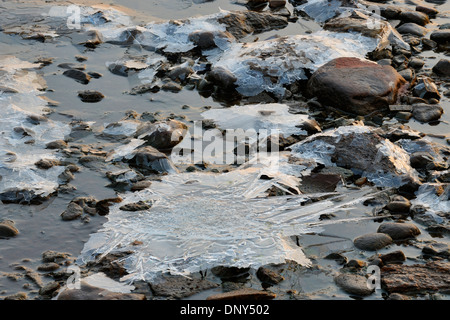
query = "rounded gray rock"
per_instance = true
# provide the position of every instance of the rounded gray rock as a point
(398, 231)
(353, 284)
(372, 241)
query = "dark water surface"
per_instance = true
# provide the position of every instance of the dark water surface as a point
(40, 226)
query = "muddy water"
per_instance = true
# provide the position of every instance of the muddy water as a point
(41, 227)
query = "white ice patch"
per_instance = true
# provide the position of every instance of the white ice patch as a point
(121, 129)
(173, 36)
(22, 143)
(201, 220)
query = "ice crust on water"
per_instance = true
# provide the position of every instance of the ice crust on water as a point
(22, 143)
(201, 220)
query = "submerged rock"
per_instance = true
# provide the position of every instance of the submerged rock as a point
(368, 87)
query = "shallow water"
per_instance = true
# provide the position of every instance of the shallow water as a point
(41, 227)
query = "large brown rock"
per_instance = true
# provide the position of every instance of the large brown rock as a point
(433, 276)
(356, 85)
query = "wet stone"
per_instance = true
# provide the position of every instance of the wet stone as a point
(69, 65)
(171, 86)
(47, 163)
(356, 264)
(436, 249)
(379, 85)
(394, 257)
(399, 231)
(265, 275)
(78, 76)
(162, 135)
(17, 296)
(50, 288)
(207, 39)
(90, 96)
(138, 206)
(353, 284)
(427, 112)
(72, 212)
(49, 266)
(398, 296)
(413, 29)
(7, 229)
(416, 63)
(415, 17)
(221, 77)
(430, 12)
(372, 241)
(399, 204)
(441, 36)
(140, 185)
(407, 74)
(338, 257)
(442, 68)
(149, 159)
(420, 159)
(426, 89)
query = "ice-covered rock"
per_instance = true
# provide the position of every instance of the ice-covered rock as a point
(362, 150)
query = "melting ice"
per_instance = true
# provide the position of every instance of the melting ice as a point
(22, 142)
